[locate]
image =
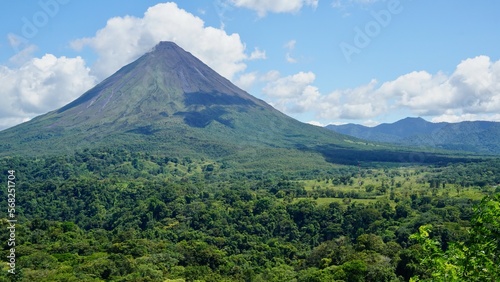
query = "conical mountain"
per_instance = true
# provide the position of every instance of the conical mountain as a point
(164, 82)
(166, 101)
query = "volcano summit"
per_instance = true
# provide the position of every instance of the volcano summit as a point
(166, 101)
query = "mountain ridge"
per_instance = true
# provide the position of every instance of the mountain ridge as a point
(472, 136)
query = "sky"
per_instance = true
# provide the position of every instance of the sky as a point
(319, 61)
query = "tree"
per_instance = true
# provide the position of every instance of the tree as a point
(482, 250)
(370, 242)
(355, 270)
(476, 259)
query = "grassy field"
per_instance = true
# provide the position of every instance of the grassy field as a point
(370, 185)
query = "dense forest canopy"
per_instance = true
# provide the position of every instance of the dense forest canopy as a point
(115, 215)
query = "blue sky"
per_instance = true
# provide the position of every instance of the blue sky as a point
(335, 61)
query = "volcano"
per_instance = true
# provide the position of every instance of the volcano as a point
(166, 101)
(165, 82)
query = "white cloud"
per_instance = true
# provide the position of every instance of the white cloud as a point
(420, 91)
(466, 117)
(23, 56)
(246, 81)
(354, 103)
(222, 7)
(258, 54)
(337, 123)
(290, 86)
(41, 85)
(344, 3)
(471, 92)
(297, 94)
(290, 45)
(124, 39)
(474, 87)
(316, 123)
(346, 6)
(289, 59)
(370, 123)
(262, 7)
(271, 75)
(294, 93)
(24, 49)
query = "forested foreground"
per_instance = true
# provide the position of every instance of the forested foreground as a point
(119, 216)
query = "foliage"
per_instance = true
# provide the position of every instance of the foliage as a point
(476, 259)
(115, 215)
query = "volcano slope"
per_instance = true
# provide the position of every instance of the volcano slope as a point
(168, 102)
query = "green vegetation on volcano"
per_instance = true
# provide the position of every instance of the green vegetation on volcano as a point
(166, 171)
(169, 103)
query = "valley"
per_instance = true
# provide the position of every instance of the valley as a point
(166, 171)
(117, 215)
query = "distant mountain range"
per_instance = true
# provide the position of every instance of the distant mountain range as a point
(472, 136)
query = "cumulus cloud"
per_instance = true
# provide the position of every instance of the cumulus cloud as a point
(473, 88)
(297, 94)
(124, 39)
(294, 93)
(290, 86)
(357, 103)
(262, 7)
(421, 91)
(41, 85)
(471, 92)
(247, 80)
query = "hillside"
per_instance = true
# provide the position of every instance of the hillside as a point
(166, 101)
(170, 103)
(472, 136)
(166, 171)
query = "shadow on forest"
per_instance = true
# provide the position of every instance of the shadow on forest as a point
(351, 156)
